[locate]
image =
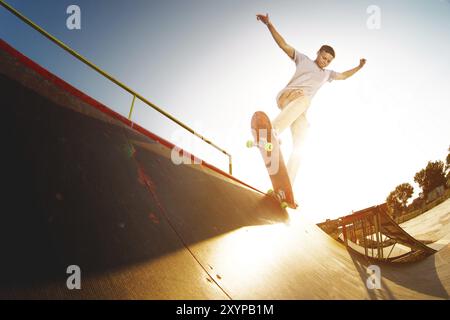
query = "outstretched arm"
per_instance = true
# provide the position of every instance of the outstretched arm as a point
(349, 73)
(277, 37)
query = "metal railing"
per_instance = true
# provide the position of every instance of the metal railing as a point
(106, 75)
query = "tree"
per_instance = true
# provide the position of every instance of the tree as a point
(447, 166)
(431, 177)
(417, 203)
(397, 199)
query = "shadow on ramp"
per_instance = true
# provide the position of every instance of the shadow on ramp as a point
(83, 191)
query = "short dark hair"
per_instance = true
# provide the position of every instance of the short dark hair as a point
(328, 49)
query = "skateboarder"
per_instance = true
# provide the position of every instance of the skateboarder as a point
(294, 99)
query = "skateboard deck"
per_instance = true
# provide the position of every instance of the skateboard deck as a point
(269, 147)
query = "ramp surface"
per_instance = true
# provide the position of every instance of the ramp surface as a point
(432, 226)
(87, 187)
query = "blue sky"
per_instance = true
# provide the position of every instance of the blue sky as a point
(211, 64)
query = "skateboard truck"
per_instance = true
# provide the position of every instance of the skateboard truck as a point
(280, 197)
(268, 146)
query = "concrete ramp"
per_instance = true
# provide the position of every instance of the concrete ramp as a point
(87, 187)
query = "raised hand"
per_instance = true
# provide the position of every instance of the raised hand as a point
(362, 62)
(263, 18)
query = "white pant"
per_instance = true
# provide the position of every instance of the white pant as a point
(293, 115)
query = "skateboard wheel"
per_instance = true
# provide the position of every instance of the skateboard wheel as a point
(268, 146)
(284, 205)
(250, 143)
(270, 191)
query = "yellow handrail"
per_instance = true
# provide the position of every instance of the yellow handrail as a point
(106, 75)
(132, 107)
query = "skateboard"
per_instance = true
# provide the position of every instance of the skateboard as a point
(265, 140)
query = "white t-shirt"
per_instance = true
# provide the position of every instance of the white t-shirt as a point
(308, 76)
